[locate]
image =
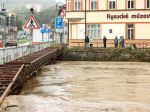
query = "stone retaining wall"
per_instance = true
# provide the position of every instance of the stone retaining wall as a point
(108, 54)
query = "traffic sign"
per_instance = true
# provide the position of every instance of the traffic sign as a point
(31, 23)
(58, 22)
(45, 29)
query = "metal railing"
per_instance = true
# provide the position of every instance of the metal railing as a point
(100, 44)
(7, 90)
(21, 69)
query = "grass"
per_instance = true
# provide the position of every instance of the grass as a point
(22, 41)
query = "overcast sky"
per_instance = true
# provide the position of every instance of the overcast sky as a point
(61, 1)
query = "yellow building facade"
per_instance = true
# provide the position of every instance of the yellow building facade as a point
(129, 19)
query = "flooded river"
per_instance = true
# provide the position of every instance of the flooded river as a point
(86, 87)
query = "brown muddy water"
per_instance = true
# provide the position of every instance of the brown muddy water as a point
(85, 87)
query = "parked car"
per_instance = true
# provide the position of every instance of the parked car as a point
(9, 44)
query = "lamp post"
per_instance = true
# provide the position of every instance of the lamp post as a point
(12, 28)
(85, 20)
(31, 36)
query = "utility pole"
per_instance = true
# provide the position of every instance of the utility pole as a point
(85, 20)
(31, 38)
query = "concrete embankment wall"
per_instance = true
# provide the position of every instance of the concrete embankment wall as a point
(11, 53)
(108, 54)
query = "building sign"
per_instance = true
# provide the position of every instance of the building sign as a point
(127, 16)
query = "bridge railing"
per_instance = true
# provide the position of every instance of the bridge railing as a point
(7, 90)
(11, 53)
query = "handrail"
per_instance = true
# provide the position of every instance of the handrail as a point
(112, 43)
(43, 55)
(6, 92)
(144, 43)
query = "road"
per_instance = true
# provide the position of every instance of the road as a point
(24, 44)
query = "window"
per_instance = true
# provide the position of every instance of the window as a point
(148, 4)
(77, 4)
(69, 5)
(93, 4)
(112, 4)
(93, 30)
(130, 4)
(130, 31)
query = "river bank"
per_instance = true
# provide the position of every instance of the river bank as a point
(108, 54)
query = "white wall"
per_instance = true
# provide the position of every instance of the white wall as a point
(142, 31)
(37, 36)
(9, 54)
(81, 31)
(74, 31)
(121, 4)
(117, 29)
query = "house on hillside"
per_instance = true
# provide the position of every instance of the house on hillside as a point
(3, 21)
(8, 28)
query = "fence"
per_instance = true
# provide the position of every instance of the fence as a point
(100, 44)
(9, 54)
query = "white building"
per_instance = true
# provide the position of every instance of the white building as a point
(3, 20)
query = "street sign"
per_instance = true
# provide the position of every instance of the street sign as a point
(59, 23)
(45, 29)
(31, 23)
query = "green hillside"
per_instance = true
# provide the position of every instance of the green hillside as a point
(46, 16)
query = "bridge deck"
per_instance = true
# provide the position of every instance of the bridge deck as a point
(16, 72)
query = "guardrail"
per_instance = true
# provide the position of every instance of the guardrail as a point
(11, 53)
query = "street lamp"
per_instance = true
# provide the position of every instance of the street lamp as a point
(31, 10)
(85, 20)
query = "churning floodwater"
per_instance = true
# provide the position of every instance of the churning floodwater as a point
(85, 87)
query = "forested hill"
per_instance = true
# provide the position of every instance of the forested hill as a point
(46, 16)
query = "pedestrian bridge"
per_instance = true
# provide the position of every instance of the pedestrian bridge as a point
(14, 73)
